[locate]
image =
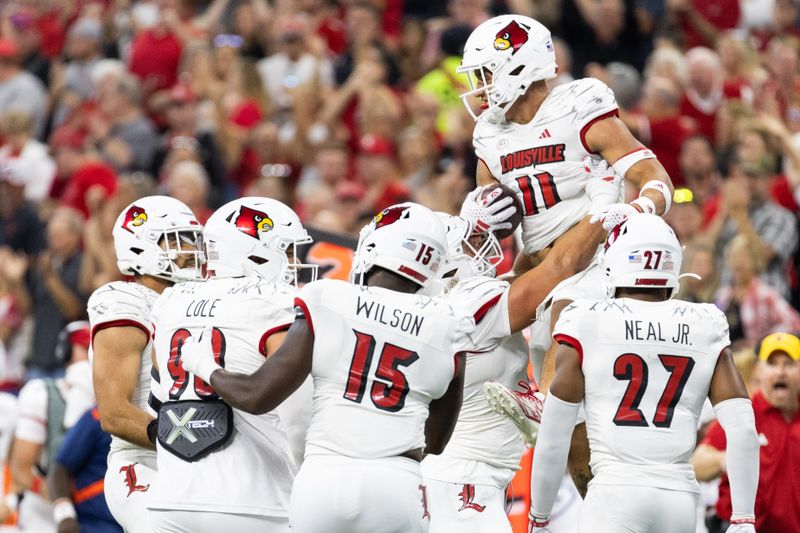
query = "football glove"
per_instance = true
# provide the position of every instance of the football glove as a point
(197, 355)
(494, 212)
(603, 186)
(741, 528)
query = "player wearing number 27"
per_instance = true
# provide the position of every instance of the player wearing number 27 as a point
(643, 365)
(242, 479)
(388, 374)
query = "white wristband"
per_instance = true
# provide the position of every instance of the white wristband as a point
(646, 204)
(663, 188)
(62, 510)
(11, 501)
(206, 368)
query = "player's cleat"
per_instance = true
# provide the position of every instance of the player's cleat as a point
(524, 408)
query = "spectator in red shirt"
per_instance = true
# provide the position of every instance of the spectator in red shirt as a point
(776, 407)
(155, 56)
(700, 172)
(706, 90)
(703, 20)
(82, 181)
(377, 169)
(660, 127)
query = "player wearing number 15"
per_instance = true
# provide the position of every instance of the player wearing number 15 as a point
(643, 365)
(388, 379)
(221, 469)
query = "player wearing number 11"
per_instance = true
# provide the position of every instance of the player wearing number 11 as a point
(643, 365)
(388, 374)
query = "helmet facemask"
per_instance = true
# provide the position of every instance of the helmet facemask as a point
(182, 256)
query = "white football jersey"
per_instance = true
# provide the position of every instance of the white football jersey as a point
(542, 161)
(481, 436)
(380, 358)
(647, 368)
(122, 303)
(253, 473)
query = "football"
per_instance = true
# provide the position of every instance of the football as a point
(516, 218)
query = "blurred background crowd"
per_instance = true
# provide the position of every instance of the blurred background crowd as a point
(341, 108)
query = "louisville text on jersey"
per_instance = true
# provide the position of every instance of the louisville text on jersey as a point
(538, 155)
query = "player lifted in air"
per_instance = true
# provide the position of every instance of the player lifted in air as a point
(536, 141)
(643, 364)
(388, 371)
(467, 481)
(240, 477)
(158, 241)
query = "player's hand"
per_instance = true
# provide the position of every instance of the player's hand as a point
(604, 186)
(613, 215)
(197, 355)
(494, 213)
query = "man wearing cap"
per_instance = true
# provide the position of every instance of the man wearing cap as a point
(776, 406)
(19, 89)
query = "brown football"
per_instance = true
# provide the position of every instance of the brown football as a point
(516, 218)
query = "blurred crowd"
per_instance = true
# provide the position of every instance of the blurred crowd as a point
(341, 108)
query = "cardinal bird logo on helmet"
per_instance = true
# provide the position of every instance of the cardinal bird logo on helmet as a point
(390, 215)
(513, 36)
(135, 217)
(252, 221)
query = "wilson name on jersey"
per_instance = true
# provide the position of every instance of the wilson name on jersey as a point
(647, 368)
(243, 313)
(543, 160)
(126, 304)
(380, 357)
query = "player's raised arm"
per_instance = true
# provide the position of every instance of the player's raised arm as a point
(613, 141)
(267, 387)
(558, 421)
(572, 253)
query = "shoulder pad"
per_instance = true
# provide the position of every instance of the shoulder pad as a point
(474, 294)
(121, 300)
(588, 98)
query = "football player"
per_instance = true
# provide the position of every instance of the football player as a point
(158, 242)
(467, 482)
(388, 370)
(536, 141)
(223, 469)
(643, 365)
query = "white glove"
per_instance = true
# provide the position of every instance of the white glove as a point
(604, 186)
(494, 213)
(741, 528)
(613, 215)
(197, 356)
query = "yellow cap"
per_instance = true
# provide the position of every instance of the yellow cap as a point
(780, 342)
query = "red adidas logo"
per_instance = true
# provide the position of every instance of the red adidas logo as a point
(545, 134)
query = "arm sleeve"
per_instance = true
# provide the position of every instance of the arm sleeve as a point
(742, 454)
(32, 421)
(552, 449)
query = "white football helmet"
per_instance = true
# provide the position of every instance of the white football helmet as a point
(464, 260)
(152, 233)
(405, 239)
(517, 51)
(255, 237)
(642, 252)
